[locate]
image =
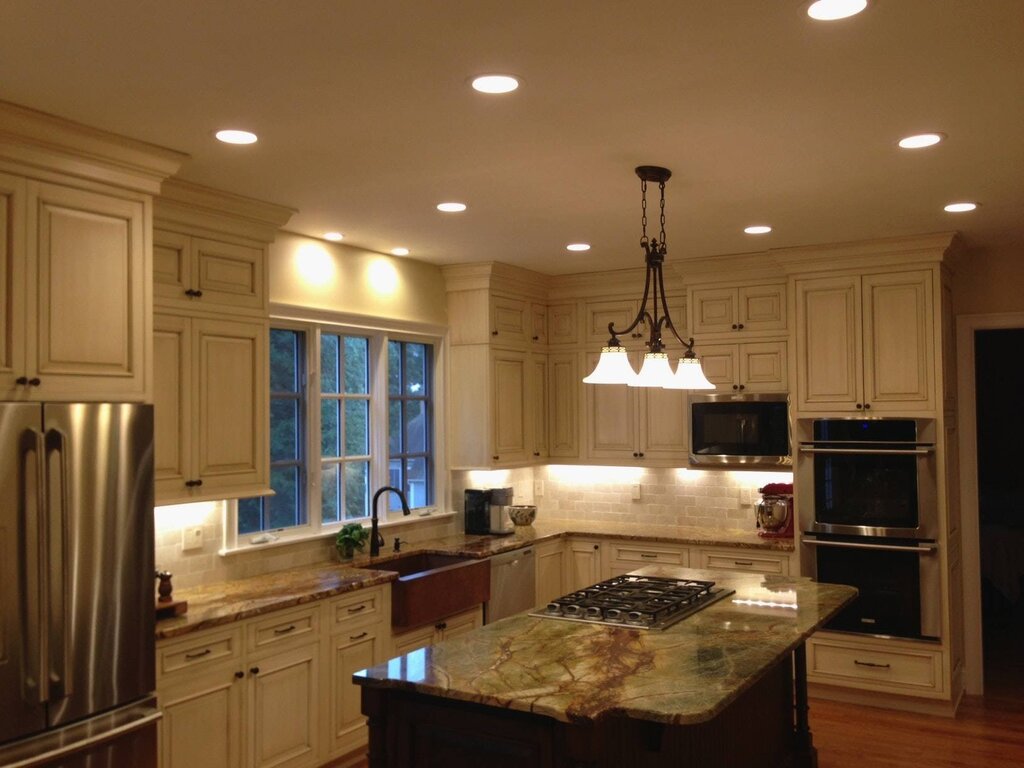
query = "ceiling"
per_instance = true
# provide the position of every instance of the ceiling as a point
(367, 121)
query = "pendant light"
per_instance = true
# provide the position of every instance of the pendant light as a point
(613, 367)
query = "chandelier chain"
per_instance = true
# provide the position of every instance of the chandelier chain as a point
(661, 185)
(643, 208)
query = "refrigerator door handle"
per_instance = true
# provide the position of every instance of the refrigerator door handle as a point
(57, 514)
(31, 502)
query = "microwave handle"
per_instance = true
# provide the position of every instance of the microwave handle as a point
(924, 549)
(870, 452)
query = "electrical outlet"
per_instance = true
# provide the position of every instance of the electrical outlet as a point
(538, 488)
(636, 491)
(192, 538)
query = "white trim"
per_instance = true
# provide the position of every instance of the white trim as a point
(356, 321)
(966, 325)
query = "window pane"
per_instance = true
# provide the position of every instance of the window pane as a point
(356, 366)
(284, 429)
(415, 369)
(330, 428)
(415, 426)
(285, 509)
(250, 515)
(330, 493)
(394, 368)
(357, 416)
(357, 489)
(395, 476)
(284, 360)
(416, 482)
(394, 427)
(330, 351)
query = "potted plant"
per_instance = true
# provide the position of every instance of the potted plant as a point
(351, 537)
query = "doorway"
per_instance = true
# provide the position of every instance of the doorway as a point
(998, 371)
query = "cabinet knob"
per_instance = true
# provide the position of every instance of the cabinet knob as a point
(536, 453)
(22, 380)
(734, 327)
(636, 455)
(495, 458)
(254, 670)
(867, 406)
(740, 325)
(34, 381)
(441, 625)
(239, 675)
(198, 294)
(536, 338)
(193, 483)
(641, 454)
(597, 546)
(494, 333)
(743, 386)
(735, 386)
(858, 406)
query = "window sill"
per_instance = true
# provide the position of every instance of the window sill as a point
(284, 539)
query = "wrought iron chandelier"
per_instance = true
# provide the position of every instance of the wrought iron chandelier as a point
(614, 367)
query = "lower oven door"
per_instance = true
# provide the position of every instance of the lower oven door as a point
(898, 584)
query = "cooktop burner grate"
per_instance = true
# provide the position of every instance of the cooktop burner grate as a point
(640, 602)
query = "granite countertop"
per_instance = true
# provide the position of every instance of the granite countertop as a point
(217, 604)
(576, 672)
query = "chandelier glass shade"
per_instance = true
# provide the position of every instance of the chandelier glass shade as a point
(613, 367)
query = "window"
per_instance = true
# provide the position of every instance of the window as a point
(350, 411)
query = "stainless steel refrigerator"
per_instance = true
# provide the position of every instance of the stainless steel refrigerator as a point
(76, 586)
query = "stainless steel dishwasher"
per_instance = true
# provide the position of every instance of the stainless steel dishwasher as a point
(513, 584)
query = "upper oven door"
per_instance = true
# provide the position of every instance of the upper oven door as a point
(739, 429)
(868, 487)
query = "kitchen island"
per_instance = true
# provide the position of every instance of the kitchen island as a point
(716, 689)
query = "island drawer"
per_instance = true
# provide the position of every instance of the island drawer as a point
(360, 607)
(279, 629)
(744, 560)
(199, 650)
(644, 555)
(864, 665)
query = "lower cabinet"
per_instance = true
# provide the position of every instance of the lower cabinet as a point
(431, 634)
(625, 557)
(584, 563)
(284, 698)
(549, 564)
(755, 560)
(872, 664)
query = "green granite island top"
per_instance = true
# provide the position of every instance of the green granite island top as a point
(578, 673)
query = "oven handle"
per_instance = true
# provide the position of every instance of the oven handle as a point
(870, 451)
(924, 548)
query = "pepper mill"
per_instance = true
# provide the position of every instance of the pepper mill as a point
(165, 588)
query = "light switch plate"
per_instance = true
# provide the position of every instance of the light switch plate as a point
(538, 488)
(191, 538)
(636, 491)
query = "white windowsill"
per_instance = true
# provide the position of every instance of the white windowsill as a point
(284, 539)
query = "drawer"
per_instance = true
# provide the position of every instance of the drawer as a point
(200, 650)
(278, 629)
(642, 555)
(874, 668)
(356, 608)
(744, 560)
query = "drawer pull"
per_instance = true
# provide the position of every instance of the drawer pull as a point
(860, 663)
(743, 562)
(192, 656)
(285, 630)
(360, 636)
(649, 555)
(358, 608)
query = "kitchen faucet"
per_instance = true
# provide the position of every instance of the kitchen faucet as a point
(376, 540)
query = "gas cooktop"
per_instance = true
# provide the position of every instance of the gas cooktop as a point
(639, 602)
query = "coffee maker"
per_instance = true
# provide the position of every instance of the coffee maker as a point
(486, 513)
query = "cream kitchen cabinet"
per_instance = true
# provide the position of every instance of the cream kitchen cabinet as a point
(538, 405)
(549, 565)
(211, 408)
(632, 424)
(223, 275)
(746, 310)
(563, 411)
(432, 634)
(563, 324)
(866, 343)
(583, 558)
(73, 293)
(517, 321)
(739, 559)
(622, 312)
(747, 367)
(623, 557)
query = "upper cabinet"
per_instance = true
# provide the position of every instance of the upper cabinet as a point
(219, 275)
(75, 259)
(740, 311)
(749, 367)
(866, 342)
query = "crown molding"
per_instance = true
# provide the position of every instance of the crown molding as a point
(193, 206)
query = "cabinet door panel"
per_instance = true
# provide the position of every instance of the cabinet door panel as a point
(562, 325)
(611, 419)
(231, 386)
(172, 406)
(763, 307)
(828, 345)
(90, 284)
(172, 266)
(409, 642)
(898, 340)
(509, 377)
(538, 406)
(509, 320)
(714, 310)
(229, 274)
(720, 364)
(461, 624)
(538, 324)
(202, 722)
(12, 287)
(763, 367)
(584, 563)
(599, 313)
(550, 572)
(350, 652)
(284, 713)
(564, 410)
(665, 424)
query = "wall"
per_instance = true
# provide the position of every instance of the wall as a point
(989, 280)
(313, 273)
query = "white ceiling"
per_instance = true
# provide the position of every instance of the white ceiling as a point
(366, 119)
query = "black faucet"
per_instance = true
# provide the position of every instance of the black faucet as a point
(376, 540)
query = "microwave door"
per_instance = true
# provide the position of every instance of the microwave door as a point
(23, 690)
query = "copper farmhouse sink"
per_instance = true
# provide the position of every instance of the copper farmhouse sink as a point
(432, 586)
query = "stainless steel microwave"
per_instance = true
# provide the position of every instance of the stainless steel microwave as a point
(748, 430)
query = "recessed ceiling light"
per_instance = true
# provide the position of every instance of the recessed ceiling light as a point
(759, 229)
(233, 136)
(400, 251)
(921, 140)
(831, 10)
(495, 83)
(578, 247)
(451, 207)
(963, 207)
(335, 236)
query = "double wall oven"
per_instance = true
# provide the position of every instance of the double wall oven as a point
(869, 518)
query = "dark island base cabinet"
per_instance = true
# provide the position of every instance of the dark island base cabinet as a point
(410, 729)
